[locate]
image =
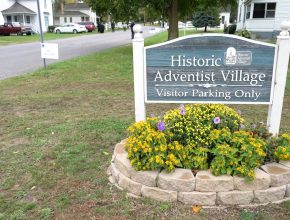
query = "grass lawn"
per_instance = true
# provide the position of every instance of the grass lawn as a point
(15, 39)
(58, 128)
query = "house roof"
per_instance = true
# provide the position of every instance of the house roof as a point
(17, 8)
(71, 13)
(76, 7)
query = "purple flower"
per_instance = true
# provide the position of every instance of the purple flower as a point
(152, 115)
(254, 126)
(242, 126)
(161, 126)
(239, 111)
(182, 109)
(217, 120)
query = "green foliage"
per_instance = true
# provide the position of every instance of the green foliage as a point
(45, 213)
(29, 206)
(245, 215)
(282, 147)
(201, 19)
(63, 201)
(194, 126)
(287, 205)
(51, 28)
(201, 136)
(206, 17)
(182, 140)
(237, 153)
(244, 33)
(126, 10)
(148, 148)
(231, 29)
(17, 215)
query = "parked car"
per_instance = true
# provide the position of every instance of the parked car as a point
(90, 26)
(15, 28)
(70, 28)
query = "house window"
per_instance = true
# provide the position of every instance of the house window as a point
(83, 18)
(28, 19)
(65, 19)
(248, 11)
(46, 21)
(9, 19)
(264, 10)
(70, 19)
(15, 18)
(87, 19)
(223, 19)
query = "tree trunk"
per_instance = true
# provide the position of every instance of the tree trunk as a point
(205, 28)
(173, 20)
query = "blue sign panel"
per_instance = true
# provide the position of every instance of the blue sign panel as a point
(210, 68)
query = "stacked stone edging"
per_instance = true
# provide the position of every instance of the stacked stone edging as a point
(272, 183)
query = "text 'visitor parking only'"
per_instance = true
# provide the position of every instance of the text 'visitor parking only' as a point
(210, 69)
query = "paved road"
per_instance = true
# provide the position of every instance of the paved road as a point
(22, 58)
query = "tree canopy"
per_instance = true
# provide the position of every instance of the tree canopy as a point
(172, 10)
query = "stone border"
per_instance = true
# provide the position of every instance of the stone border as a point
(272, 184)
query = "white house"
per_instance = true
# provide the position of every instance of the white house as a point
(224, 19)
(75, 12)
(25, 11)
(262, 17)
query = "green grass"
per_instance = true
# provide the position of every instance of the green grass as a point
(56, 127)
(15, 39)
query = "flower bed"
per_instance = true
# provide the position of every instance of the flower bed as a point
(210, 137)
(272, 183)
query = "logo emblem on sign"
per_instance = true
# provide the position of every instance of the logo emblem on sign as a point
(231, 56)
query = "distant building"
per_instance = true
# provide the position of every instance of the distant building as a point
(224, 19)
(262, 17)
(75, 12)
(25, 11)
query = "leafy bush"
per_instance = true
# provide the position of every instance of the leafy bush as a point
(51, 28)
(180, 138)
(231, 29)
(244, 33)
(282, 150)
(237, 153)
(204, 136)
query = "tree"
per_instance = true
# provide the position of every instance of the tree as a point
(170, 9)
(206, 18)
(122, 10)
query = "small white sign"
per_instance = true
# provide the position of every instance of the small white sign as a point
(49, 51)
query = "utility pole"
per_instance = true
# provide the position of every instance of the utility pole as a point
(40, 29)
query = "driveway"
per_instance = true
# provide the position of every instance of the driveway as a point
(23, 58)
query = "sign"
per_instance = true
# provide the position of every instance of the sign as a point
(49, 51)
(209, 69)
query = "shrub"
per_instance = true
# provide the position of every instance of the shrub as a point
(191, 125)
(51, 28)
(244, 33)
(282, 147)
(231, 29)
(237, 153)
(180, 138)
(148, 148)
(204, 136)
